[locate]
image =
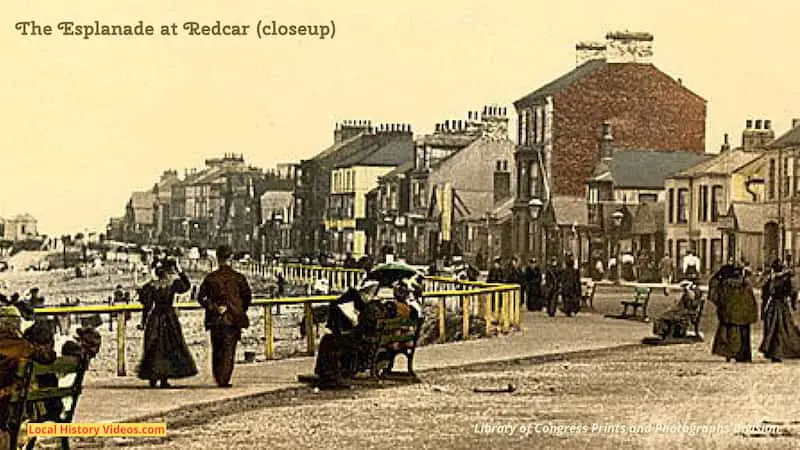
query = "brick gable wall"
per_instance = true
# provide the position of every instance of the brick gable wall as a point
(647, 110)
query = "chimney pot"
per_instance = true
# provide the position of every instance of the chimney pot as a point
(485, 110)
(726, 138)
(758, 124)
(767, 124)
(606, 130)
(438, 127)
(795, 123)
(749, 124)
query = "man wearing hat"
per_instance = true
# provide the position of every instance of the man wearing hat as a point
(14, 348)
(226, 296)
(551, 287)
(496, 274)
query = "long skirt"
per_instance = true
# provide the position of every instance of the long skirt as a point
(534, 300)
(781, 336)
(572, 303)
(166, 355)
(337, 357)
(733, 342)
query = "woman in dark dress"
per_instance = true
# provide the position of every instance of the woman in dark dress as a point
(732, 294)
(165, 352)
(781, 336)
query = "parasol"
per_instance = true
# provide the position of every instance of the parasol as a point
(388, 273)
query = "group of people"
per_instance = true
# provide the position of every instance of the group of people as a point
(353, 326)
(731, 291)
(543, 287)
(224, 294)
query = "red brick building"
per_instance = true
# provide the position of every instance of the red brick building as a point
(559, 124)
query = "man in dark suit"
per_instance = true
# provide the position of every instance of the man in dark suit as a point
(225, 294)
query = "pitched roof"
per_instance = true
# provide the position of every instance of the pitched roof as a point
(570, 210)
(394, 152)
(448, 140)
(472, 204)
(563, 81)
(142, 205)
(789, 139)
(752, 217)
(272, 200)
(504, 210)
(142, 200)
(401, 169)
(645, 168)
(335, 148)
(724, 163)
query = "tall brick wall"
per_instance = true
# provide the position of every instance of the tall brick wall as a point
(647, 110)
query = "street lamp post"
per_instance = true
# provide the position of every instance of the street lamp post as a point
(616, 219)
(534, 208)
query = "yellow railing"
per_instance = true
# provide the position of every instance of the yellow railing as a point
(498, 304)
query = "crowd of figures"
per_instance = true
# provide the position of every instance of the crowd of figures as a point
(542, 287)
(731, 291)
(353, 326)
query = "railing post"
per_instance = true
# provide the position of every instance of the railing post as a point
(518, 302)
(268, 338)
(505, 309)
(442, 321)
(465, 315)
(487, 314)
(310, 338)
(121, 344)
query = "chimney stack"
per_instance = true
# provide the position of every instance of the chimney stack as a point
(725, 144)
(589, 51)
(758, 134)
(606, 141)
(629, 47)
(795, 123)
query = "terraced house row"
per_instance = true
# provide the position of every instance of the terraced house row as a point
(607, 159)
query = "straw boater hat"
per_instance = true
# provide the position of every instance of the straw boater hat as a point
(10, 318)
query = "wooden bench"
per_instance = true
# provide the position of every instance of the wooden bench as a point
(26, 401)
(394, 337)
(641, 297)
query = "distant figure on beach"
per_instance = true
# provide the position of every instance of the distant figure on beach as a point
(166, 355)
(226, 295)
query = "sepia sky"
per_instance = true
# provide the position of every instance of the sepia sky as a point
(88, 121)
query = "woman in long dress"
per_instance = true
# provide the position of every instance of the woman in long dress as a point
(675, 322)
(731, 292)
(166, 355)
(781, 335)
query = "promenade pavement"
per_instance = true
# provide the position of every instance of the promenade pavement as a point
(127, 398)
